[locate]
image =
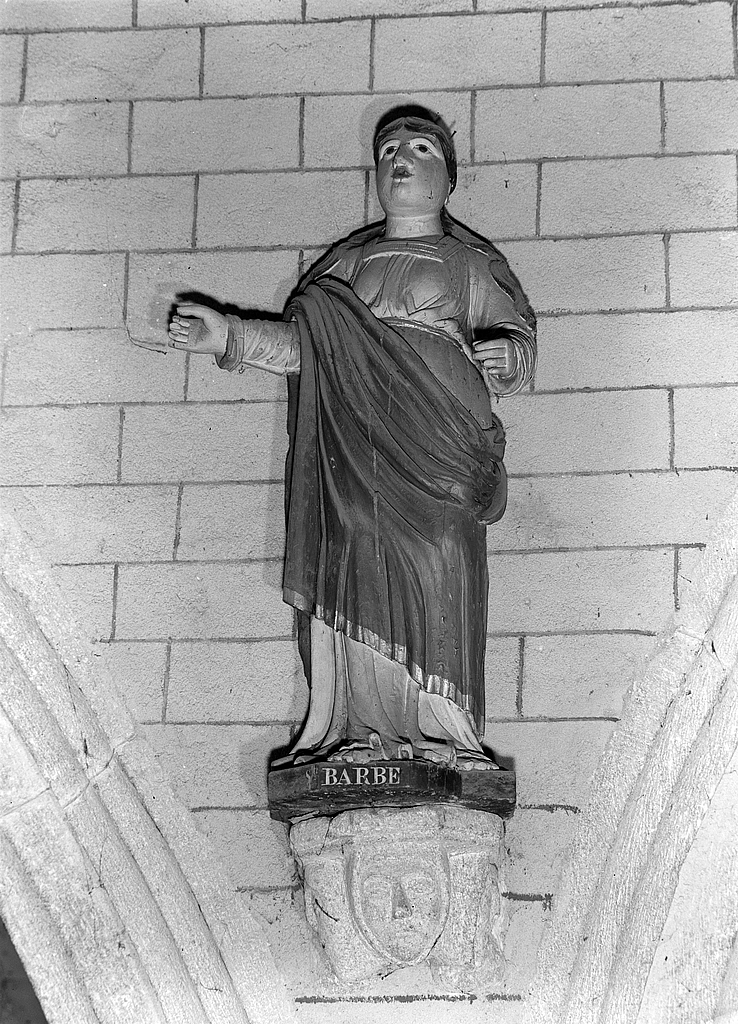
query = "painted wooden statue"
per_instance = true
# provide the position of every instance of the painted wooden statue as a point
(398, 343)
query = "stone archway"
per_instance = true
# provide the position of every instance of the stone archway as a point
(112, 898)
(645, 925)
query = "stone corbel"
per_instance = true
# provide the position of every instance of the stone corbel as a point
(392, 887)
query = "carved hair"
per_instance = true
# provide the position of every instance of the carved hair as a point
(425, 122)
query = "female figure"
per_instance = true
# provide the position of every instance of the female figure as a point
(398, 341)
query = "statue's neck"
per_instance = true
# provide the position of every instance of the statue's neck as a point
(423, 226)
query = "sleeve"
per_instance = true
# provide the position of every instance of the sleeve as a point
(492, 312)
(264, 344)
(271, 345)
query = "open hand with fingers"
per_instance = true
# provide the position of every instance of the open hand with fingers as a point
(200, 329)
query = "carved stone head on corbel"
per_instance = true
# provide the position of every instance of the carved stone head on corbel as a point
(387, 888)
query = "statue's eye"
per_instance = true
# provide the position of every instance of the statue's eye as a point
(388, 150)
(425, 147)
(418, 887)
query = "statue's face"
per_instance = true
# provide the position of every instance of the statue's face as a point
(412, 178)
(400, 904)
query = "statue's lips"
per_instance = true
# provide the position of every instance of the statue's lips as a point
(401, 175)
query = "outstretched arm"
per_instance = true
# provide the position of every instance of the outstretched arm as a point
(264, 344)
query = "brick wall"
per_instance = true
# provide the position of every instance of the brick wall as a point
(156, 147)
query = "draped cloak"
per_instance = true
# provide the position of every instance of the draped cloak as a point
(390, 483)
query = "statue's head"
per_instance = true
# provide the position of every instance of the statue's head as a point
(400, 903)
(389, 887)
(424, 122)
(415, 159)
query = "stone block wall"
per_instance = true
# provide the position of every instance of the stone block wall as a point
(159, 147)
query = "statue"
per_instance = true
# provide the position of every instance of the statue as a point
(397, 345)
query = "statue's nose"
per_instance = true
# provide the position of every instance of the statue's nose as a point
(402, 158)
(400, 905)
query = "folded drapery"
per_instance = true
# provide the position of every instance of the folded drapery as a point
(390, 482)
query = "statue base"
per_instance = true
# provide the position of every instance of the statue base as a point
(331, 787)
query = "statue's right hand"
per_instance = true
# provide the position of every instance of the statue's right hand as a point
(198, 329)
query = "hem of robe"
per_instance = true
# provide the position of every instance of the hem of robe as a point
(430, 683)
(332, 715)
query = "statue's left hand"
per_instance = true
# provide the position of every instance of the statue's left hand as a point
(496, 355)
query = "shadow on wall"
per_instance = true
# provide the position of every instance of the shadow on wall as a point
(18, 1002)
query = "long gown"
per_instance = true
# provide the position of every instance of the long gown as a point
(395, 469)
